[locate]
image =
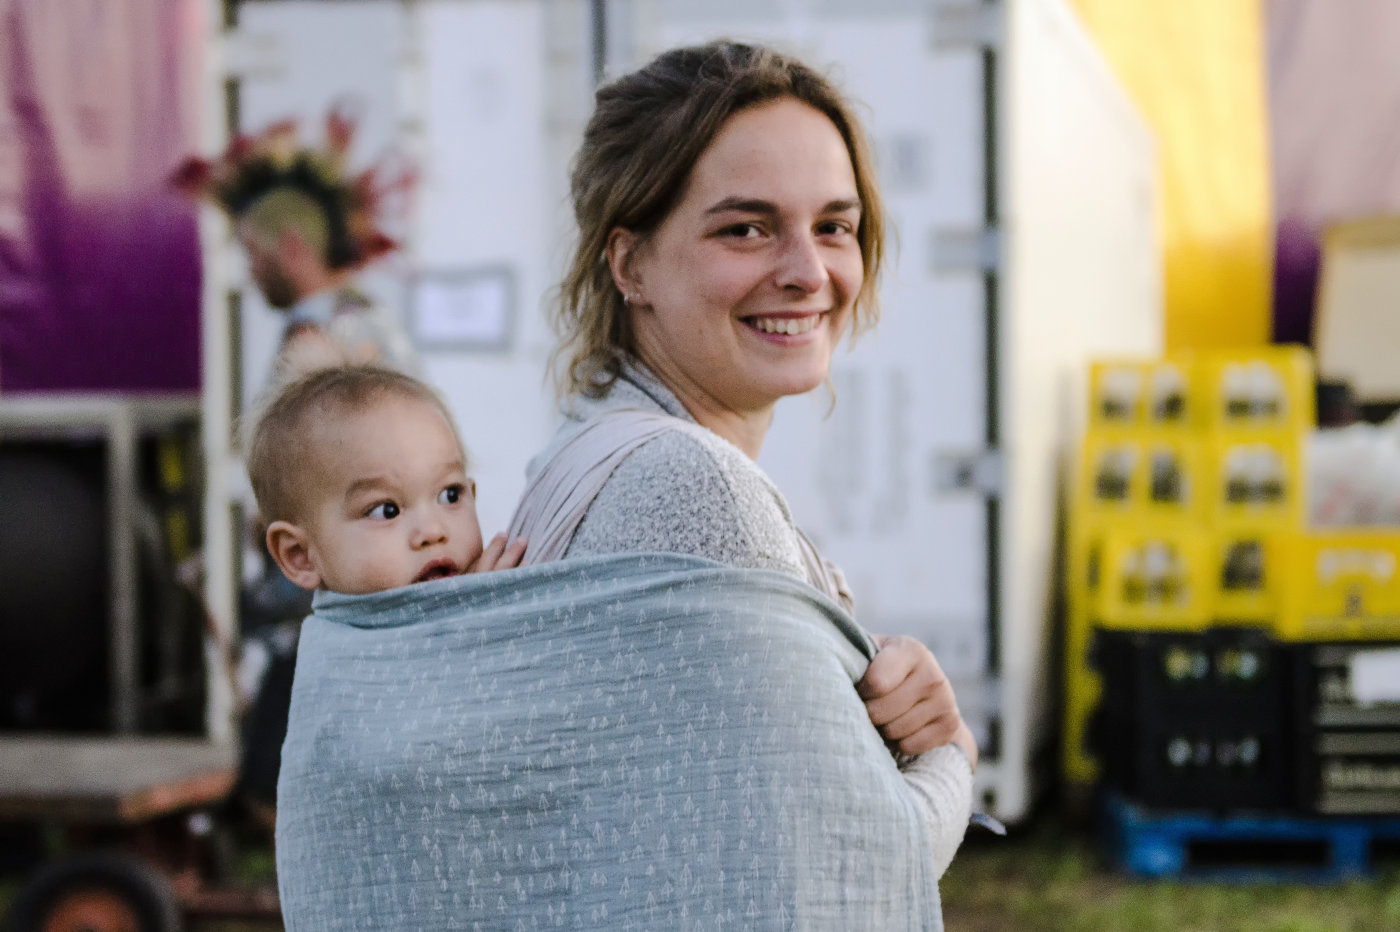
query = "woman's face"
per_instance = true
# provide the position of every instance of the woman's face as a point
(743, 292)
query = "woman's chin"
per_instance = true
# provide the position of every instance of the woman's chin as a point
(797, 383)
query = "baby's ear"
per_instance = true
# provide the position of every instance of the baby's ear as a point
(290, 547)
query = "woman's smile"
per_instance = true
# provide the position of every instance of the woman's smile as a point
(786, 325)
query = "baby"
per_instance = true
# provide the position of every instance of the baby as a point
(362, 481)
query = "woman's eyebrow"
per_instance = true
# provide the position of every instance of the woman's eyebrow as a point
(842, 205)
(750, 205)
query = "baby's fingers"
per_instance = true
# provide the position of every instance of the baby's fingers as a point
(493, 552)
(510, 557)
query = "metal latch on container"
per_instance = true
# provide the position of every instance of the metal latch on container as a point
(963, 250)
(959, 24)
(979, 471)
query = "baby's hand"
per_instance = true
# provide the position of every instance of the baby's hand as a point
(497, 556)
(910, 700)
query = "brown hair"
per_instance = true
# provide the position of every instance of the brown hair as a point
(278, 449)
(648, 130)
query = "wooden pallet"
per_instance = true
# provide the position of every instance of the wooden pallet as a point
(1187, 845)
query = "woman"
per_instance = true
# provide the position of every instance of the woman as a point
(642, 739)
(730, 234)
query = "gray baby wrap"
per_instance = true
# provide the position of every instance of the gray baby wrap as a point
(626, 742)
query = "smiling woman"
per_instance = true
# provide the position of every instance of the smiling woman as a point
(730, 234)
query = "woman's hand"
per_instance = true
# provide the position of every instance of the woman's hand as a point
(497, 556)
(910, 700)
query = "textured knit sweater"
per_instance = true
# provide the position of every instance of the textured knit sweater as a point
(699, 494)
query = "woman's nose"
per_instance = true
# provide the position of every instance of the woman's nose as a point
(801, 265)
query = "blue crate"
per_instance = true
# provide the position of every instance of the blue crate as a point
(1170, 843)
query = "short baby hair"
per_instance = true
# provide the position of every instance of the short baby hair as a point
(281, 436)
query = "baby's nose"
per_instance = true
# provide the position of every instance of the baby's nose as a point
(429, 530)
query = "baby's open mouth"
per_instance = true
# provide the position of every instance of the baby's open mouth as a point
(438, 569)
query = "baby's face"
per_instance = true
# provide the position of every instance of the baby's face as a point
(397, 507)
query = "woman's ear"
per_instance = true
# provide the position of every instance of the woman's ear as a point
(622, 256)
(291, 548)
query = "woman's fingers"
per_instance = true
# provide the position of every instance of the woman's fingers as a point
(927, 738)
(908, 698)
(924, 727)
(902, 674)
(899, 656)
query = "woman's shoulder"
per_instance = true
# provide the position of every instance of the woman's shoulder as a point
(685, 490)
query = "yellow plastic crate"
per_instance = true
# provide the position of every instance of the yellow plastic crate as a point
(1156, 576)
(1256, 480)
(1341, 585)
(1116, 394)
(1250, 566)
(1081, 682)
(1269, 388)
(1142, 393)
(1082, 691)
(1143, 474)
(1175, 476)
(1110, 475)
(1169, 396)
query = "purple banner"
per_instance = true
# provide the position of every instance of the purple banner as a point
(99, 260)
(1334, 111)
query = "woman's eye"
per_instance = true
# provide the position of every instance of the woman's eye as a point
(450, 495)
(742, 230)
(833, 228)
(384, 510)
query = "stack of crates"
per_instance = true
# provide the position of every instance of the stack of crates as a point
(1188, 500)
(1342, 614)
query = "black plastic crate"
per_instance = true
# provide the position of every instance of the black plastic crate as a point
(1348, 752)
(1200, 719)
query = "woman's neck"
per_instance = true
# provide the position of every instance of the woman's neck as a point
(745, 429)
(747, 432)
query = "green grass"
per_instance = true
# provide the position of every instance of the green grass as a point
(1047, 877)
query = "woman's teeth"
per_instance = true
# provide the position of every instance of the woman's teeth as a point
(791, 326)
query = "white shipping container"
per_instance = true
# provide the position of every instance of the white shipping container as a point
(1021, 186)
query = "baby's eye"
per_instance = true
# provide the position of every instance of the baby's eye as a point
(451, 495)
(384, 510)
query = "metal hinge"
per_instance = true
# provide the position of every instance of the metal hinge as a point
(979, 471)
(963, 23)
(965, 250)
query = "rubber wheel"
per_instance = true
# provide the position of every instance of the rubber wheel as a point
(95, 892)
